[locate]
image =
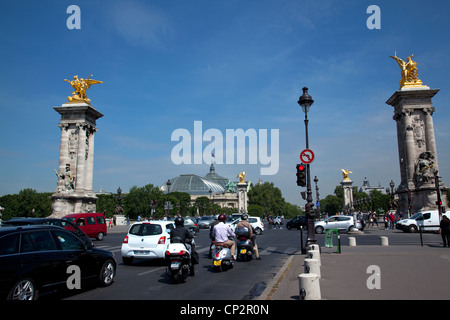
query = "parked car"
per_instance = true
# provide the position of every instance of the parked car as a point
(255, 222)
(34, 260)
(93, 224)
(340, 222)
(297, 222)
(146, 240)
(69, 226)
(427, 220)
(205, 222)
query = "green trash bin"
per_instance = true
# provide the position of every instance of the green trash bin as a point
(329, 238)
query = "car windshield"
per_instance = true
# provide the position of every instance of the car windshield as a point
(205, 218)
(145, 229)
(417, 215)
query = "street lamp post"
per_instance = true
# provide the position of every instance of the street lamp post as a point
(168, 201)
(317, 195)
(305, 101)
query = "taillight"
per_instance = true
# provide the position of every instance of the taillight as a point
(162, 240)
(167, 253)
(125, 240)
(182, 252)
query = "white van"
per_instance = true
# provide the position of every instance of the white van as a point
(427, 220)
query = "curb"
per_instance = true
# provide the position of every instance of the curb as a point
(272, 286)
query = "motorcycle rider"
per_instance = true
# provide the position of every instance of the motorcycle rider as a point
(182, 235)
(245, 224)
(221, 232)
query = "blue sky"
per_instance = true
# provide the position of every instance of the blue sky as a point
(229, 64)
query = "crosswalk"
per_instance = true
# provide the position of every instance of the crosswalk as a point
(262, 251)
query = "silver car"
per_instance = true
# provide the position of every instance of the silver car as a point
(340, 222)
(205, 222)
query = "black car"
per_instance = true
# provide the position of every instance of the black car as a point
(297, 222)
(37, 259)
(69, 226)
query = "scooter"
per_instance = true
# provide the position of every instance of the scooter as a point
(244, 245)
(221, 256)
(179, 262)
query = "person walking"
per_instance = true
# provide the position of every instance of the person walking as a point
(391, 221)
(444, 230)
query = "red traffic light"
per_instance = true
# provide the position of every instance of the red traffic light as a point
(301, 167)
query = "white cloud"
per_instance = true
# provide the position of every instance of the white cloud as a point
(141, 24)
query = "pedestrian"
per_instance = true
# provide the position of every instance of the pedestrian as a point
(386, 221)
(444, 229)
(391, 221)
(374, 219)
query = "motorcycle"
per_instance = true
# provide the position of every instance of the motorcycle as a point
(221, 256)
(179, 262)
(244, 244)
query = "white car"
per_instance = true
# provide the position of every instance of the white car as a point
(255, 222)
(340, 222)
(146, 240)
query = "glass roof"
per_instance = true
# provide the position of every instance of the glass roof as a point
(194, 184)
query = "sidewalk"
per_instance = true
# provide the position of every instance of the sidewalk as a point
(406, 273)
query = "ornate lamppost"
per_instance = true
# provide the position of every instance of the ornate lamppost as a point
(305, 101)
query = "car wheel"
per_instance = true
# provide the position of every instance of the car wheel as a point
(24, 289)
(288, 227)
(319, 229)
(412, 228)
(107, 273)
(100, 236)
(258, 231)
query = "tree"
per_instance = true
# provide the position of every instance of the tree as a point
(269, 197)
(202, 203)
(331, 205)
(138, 200)
(106, 203)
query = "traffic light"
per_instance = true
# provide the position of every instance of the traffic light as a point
(301, 175)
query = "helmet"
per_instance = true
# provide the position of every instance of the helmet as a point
(222, 218)
(244, 216)
(179, 221)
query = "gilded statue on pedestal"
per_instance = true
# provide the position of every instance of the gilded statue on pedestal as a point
(80, 86)
(345, 174)
(408, 72)
(241, 177)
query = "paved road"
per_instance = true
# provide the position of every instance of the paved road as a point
(147, 280)
(246, 281)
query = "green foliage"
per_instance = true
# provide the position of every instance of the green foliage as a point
(266, 199)
(138, 200)
(28, 203)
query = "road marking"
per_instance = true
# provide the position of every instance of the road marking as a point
(290, 250)
(267, 251)
(150, 271)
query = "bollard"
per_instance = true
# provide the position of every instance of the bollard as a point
(314, 254)
(312, 266)
(313, 247)
(384, 241)
(308, 285)
(352, 241)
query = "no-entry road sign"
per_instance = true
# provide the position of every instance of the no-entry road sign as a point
(307, 156)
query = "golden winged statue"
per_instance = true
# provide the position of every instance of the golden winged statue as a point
(408, 72)
(241, 177)
(345, 174)
(80, 86)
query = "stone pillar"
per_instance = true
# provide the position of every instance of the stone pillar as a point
(76, 160)
(242, 197)
(347, 193)
(417, 150)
